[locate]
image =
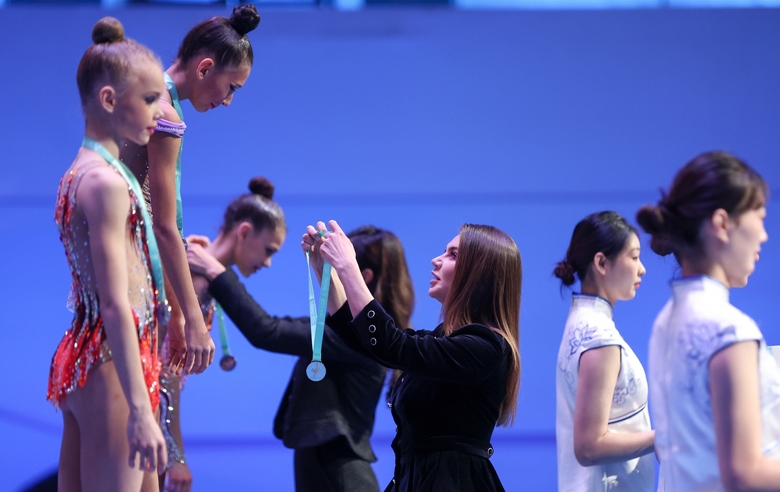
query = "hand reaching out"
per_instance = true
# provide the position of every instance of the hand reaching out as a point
(311, 244)
(202, 262)
(347, 283)
(335, 247)
(203, 241)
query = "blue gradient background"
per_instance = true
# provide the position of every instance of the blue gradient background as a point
(415, 120)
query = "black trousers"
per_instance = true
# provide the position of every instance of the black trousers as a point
(333, 467)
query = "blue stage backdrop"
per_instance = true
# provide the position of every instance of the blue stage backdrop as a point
(416, 120)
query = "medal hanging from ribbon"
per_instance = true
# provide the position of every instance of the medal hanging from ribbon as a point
(163, 314)
(227, 362)
(316, 370)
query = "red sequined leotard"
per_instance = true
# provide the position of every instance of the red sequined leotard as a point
(84, 345)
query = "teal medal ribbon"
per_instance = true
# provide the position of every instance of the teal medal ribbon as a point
(151, 242)
(177, 106)
(316, 370)
(227, 362)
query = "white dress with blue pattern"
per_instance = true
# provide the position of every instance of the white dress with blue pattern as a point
(590, 326)
(697, 322)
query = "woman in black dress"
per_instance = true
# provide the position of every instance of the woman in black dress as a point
(329, 422)
(461, 379)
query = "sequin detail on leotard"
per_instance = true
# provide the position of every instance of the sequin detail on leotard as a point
(84, 346)
(168, 392)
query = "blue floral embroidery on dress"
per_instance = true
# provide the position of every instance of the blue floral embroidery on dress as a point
(621, 392)
(698, 342)
(579, 336)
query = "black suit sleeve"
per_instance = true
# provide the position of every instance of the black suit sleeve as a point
(469, 355)
(285, 335)
(339, 322)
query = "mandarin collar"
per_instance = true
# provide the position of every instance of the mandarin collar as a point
(699, 283)
(596, 302)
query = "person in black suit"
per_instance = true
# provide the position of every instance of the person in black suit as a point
(328, 423)
(460, 379)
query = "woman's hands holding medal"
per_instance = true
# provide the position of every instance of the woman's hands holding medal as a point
(332, 246)
(347, 281)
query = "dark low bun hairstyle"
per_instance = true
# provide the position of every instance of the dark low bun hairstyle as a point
(222, 39)
(256, 207)
(602, 232)
(651, 219)
(564, 271)
(710, 181)
(110, 60)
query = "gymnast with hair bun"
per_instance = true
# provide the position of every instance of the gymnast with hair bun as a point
(104, 373)
(329, 422)
(253, 230)
(714, 386)
(213, 62)
(602, 426)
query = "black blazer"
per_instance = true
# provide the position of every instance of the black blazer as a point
(446, 403)
(310, 413)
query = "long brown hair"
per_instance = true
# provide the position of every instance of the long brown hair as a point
(381, 252)
(486, 289)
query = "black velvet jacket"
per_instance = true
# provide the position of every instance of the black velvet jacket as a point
(311, 413)
(447, 402)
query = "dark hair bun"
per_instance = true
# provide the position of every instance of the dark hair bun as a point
(651, 219)
(261, 186)
(244, 18)
(108, 30)
(564, 271)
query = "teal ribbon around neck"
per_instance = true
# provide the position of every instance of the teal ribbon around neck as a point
(316, 370)
(151, 241)
(177, 106)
